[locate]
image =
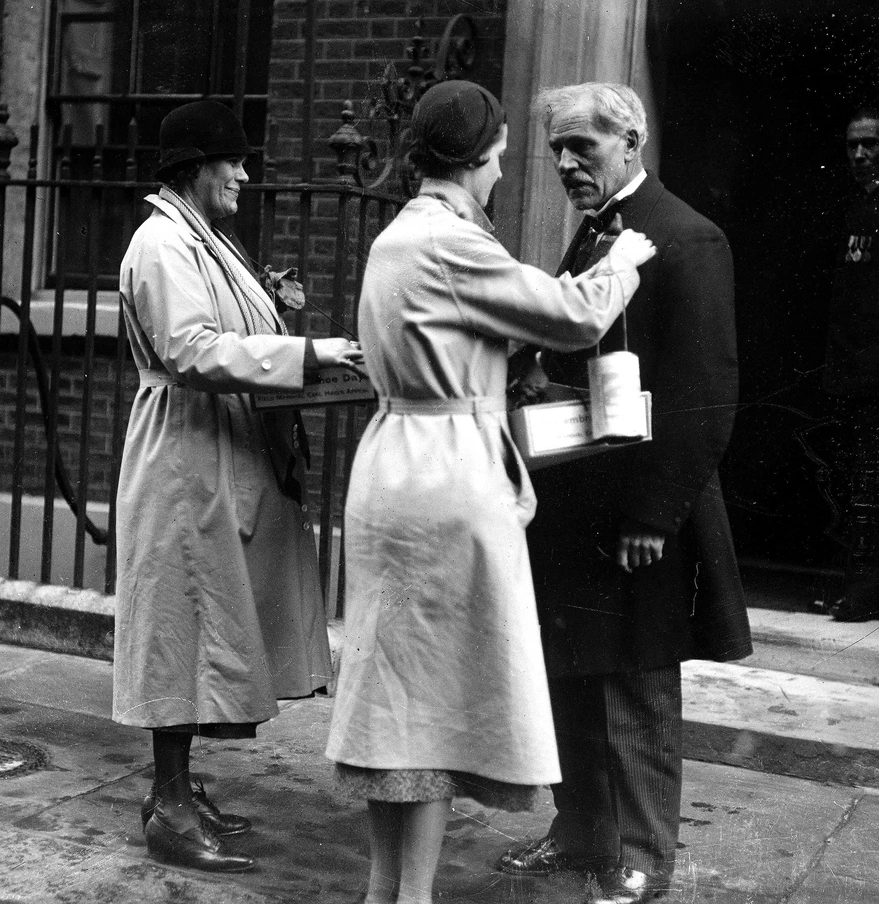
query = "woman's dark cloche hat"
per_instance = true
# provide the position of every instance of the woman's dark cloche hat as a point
(196, 131)
(456, 121)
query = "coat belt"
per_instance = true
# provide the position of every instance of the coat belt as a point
(157, 378)
(467, 405)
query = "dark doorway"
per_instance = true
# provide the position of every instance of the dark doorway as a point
(757, 98)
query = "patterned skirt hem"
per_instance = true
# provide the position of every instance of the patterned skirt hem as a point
(424, 785)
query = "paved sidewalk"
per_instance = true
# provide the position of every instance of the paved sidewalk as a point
(70, 832)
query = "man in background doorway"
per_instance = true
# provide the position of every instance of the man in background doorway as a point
(633, 560)
(852, 371)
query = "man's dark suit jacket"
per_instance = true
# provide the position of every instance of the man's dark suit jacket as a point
(596, 618)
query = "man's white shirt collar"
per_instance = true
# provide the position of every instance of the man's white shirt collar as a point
(624, 192)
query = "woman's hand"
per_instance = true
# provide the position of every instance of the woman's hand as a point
(631, 249)
(339, 353)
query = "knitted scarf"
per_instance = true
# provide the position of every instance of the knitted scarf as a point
(251, 309)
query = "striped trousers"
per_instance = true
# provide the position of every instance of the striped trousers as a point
(620, 746)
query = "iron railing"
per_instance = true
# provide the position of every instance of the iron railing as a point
(359, 213)
(62, 430)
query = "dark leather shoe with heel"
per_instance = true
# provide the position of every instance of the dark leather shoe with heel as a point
(197, 847)
(221, 823)
(624, 885)
(542, 858)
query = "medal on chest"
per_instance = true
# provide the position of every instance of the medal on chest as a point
(860, 249)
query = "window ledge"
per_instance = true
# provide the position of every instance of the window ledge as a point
(75, 311)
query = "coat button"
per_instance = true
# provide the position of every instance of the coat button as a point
(266, 365)
(304, 508)
(306, 525)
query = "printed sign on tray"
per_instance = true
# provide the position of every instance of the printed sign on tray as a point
(555, 432)
(335, 385)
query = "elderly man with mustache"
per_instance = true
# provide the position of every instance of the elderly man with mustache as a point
(633, 561)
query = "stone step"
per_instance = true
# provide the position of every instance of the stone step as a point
(805, 705)
(809, 643)
(779, 722)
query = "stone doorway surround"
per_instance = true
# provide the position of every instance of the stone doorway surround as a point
(562, 42)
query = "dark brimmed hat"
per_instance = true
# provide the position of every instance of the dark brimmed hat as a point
(455, 121)
(196, 131)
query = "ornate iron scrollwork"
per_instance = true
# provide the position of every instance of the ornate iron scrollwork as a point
(456, 55)
(361, 158)
(8, 140)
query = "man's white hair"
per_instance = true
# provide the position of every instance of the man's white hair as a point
(617, 108)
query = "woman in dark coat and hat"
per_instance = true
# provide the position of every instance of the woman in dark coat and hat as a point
(219, 606)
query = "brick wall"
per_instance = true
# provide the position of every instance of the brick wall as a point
(354, 41)
(103, 382)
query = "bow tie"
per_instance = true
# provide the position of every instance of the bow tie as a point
(608, 221)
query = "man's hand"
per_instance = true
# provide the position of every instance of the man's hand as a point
(639, 545)
(527, 381)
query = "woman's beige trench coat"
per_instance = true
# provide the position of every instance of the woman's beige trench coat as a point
(219, 608)
(442, 665)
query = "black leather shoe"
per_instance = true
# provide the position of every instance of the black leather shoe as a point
(198, 847)
(624, 885)
(845, 611)
(542, 858)
(221, 823)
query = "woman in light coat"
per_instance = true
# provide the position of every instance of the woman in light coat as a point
(442, 689)
(219, 607)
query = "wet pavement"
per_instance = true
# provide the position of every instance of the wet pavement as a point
(70, 829)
